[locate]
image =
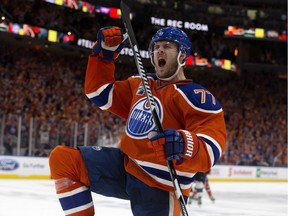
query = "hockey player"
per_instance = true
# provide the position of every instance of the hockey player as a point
(193, 139)
(201, 182)
(208, 190)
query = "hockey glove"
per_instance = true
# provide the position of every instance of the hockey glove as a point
(172, 145)
(110, 42)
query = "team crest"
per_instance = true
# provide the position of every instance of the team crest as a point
(140, 121)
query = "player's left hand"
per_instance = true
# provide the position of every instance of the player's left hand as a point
(110, 42)
(168, 145)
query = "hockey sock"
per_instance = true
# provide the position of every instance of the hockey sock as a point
(71, 181)
(75, 198)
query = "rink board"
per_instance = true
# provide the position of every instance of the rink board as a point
(13, 167)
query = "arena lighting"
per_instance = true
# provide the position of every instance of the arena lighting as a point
(37, 47)
(86, 7)
(255, 33)
(236, 52)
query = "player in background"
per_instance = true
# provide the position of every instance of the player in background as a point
(208, 189)
(193, 139)
(201, 182)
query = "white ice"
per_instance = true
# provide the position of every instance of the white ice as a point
(37, 197)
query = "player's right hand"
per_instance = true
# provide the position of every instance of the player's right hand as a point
(168, 145)
(173, 145)
(110, 42)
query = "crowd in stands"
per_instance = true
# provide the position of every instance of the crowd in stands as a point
(48, 88)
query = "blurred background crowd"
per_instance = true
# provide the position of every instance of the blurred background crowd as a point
(41, 89)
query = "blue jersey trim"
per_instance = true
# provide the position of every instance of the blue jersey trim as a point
(82, 198)
(103, 97)
(194, 94)
(215, 150)
(166, 175)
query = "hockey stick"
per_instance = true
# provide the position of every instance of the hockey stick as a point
(125, 6)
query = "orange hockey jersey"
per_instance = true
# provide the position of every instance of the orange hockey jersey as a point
(183, 105)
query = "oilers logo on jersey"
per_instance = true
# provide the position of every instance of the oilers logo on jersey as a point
(140, 121)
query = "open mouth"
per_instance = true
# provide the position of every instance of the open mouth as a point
(161, 62)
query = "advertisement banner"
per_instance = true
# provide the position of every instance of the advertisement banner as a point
(24, 167)
(248, 173)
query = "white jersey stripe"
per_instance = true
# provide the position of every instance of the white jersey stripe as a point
(211, 154)
(163, 168)
(73, 192)
(169, 183)
(78, 209)
(98, 92)
(109, 102)
(213, 141)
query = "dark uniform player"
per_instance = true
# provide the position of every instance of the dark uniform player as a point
(201, 182)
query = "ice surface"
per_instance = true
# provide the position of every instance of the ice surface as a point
(37, 197)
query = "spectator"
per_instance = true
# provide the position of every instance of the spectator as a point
(8, 145)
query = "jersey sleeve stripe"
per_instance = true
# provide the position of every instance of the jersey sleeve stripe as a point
(98, 92)
(68, 200)
(104, 98)
(215, 147)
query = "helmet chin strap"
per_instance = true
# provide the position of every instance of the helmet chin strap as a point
(176, 72)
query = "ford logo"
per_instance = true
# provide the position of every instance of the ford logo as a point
(8, 164)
